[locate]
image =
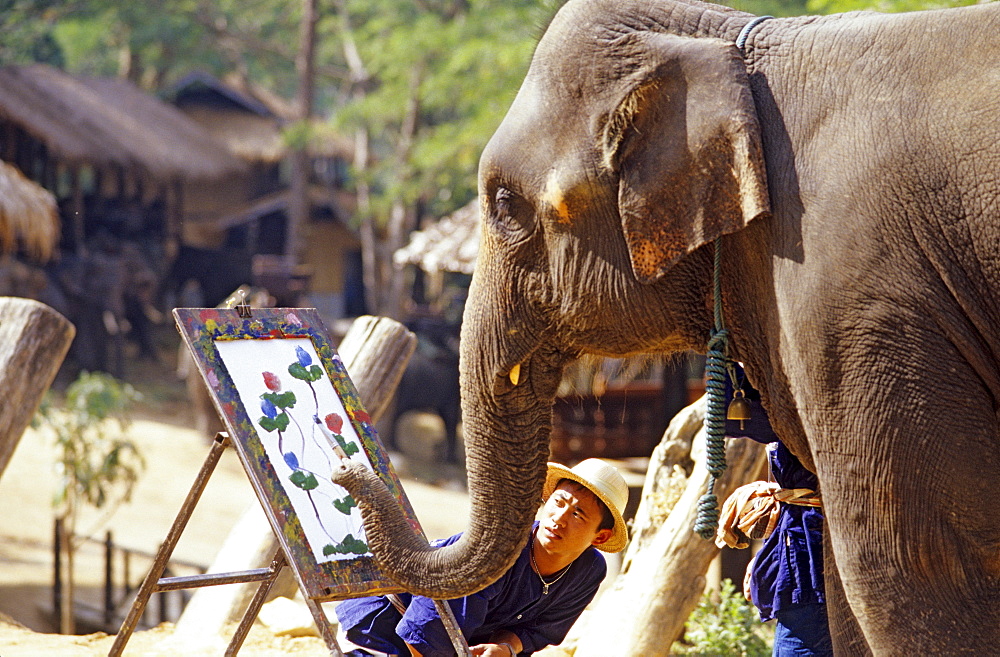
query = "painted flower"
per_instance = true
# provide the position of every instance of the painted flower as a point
(272, 381)
(334, 422)
(305, 360)
(291, 460)
(268, 408)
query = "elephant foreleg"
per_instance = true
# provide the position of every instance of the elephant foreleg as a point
(848, 639)
(918, 556)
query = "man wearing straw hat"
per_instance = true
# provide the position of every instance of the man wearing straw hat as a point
(536, 601)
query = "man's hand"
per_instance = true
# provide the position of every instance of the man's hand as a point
(493, 650)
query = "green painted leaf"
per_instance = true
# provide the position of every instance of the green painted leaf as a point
(303, 480)
(298, 372)
(349, 545)
(315, 373)
(345, 505)
(280, 399)
(279, 423)
(350, 448)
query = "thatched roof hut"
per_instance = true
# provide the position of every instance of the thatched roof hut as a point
(451, 244)
(249, 119)
(28, 215)
(108, 122)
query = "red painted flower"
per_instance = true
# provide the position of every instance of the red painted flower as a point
(334, 422)
(272, 381)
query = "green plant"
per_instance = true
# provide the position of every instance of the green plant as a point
(729, 627)
(96, 464)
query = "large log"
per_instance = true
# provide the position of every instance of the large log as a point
(375, 352)
(34, 340)
(663, 573)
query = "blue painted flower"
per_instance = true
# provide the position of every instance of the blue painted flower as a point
(269, 409)
(305, 360)
(292, 460)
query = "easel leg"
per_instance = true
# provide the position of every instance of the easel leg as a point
(250, 615)
(325, 630)
(167, 548)
(454, 631)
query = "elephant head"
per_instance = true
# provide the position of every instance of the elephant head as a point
(627, 149)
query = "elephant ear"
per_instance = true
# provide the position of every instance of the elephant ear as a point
(684, 141)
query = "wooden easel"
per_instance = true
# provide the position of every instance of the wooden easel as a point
(318, 583)
(156, 583)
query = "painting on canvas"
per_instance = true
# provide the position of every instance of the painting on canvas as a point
(293, 413)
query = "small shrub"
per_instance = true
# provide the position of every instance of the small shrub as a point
(729, 628)
(96, 464)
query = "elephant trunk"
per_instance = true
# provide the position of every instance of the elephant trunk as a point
(506, 429)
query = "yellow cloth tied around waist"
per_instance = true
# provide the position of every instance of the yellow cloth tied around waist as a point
(752, 511)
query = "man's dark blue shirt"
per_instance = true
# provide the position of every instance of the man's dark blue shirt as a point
(514, 603)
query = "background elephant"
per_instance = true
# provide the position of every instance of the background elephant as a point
(429, 383)
(851, 167)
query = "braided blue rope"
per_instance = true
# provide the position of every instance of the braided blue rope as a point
(715, 416)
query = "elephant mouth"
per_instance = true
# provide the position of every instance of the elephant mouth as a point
(533, 372)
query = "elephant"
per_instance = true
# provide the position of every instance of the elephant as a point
(839, 177)
(429, 383)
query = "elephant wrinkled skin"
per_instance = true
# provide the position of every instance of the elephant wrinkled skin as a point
(851, 166)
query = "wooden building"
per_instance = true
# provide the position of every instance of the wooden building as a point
(116, 158)
(248, 212)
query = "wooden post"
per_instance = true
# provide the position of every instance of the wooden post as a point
(34, 340)
(375, 352)
(663, 573)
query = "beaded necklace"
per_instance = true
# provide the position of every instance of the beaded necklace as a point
(545, 585)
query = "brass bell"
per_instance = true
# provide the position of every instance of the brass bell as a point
(739, 408)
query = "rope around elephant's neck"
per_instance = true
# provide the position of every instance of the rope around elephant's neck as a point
(716, 363)
(715, 415)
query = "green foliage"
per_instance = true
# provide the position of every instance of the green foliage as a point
(729, 628)
(96, 463)
(460, 64)
(889, 6)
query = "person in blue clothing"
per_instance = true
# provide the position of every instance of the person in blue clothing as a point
(785, 578)
(536, 601)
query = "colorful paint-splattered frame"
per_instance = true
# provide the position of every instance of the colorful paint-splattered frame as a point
(200, 328)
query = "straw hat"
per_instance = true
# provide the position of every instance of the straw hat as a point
(604, 480)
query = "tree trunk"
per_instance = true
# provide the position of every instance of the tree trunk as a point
(403, 217)
(375, 352)
(34, 340)
(663, 573)
(298, 205)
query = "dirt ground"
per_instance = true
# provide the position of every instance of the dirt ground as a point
(174, 451)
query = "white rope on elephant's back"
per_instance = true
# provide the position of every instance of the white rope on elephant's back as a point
(715, 415)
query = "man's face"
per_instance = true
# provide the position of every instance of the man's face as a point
(569, 521)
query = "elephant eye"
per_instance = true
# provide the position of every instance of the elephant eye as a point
(512, 214)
